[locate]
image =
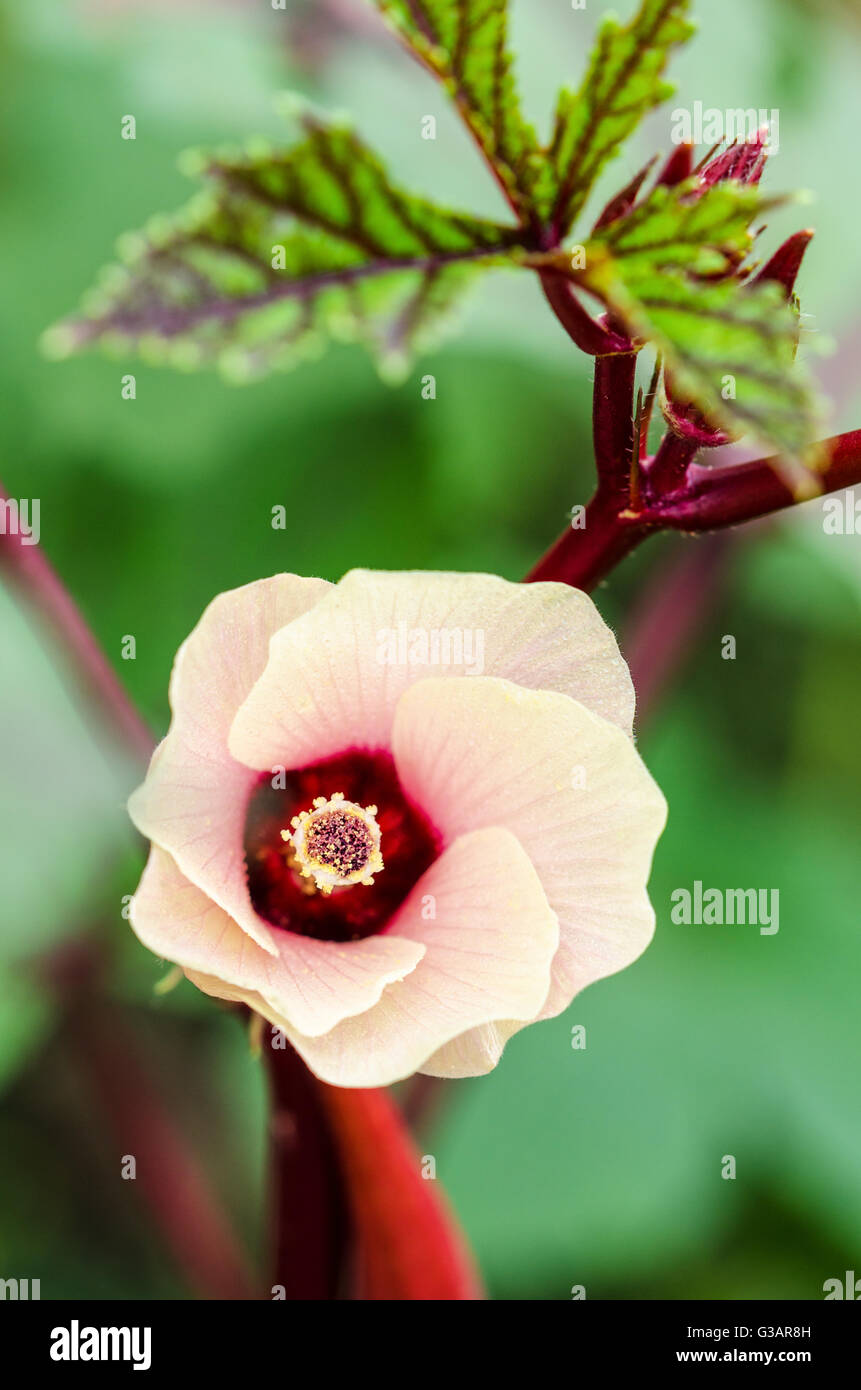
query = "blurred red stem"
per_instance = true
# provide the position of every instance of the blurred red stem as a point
(409, 1245)
(27, 569)
(307, 1206)
(668, 615)
(344, 1171)
(168, 1176)
(419, 1099)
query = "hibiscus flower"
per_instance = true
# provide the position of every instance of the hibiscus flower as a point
(400, 817)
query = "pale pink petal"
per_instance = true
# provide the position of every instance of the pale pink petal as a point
(194, 799)
(490, 944)
(474, 1053)
(334, 676)
(568, 784)
(314, 984)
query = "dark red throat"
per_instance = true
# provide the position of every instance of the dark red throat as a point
(409, 845)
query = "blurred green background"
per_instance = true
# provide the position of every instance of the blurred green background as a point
(599, 1167)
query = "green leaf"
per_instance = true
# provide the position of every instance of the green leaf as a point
(646, 266)
(26, 1014)
(464, 43)
(703, 232)
(623, 82)
(281, 250)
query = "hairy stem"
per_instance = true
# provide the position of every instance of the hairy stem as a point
(584, 556)
(727, 496)
(708, 500)
(668, 469)
(613, 422)
(587, 333)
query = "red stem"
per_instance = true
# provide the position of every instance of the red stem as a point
(344, 1170)
(716, 497)
(410, 1247)
(168, 1176)
(710, 499)
(668, 469)
(29, 571)
(587, 333)
(583, 557)
(418, 1101)
(585, 554)
(613, 421)
(307, 1201)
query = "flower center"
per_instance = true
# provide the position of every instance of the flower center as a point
(315, 838)
(336, 844)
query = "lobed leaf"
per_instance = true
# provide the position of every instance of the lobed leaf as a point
(281, 250)
(623, 82)
(464, 43)
(659, 269)
(705, 231)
